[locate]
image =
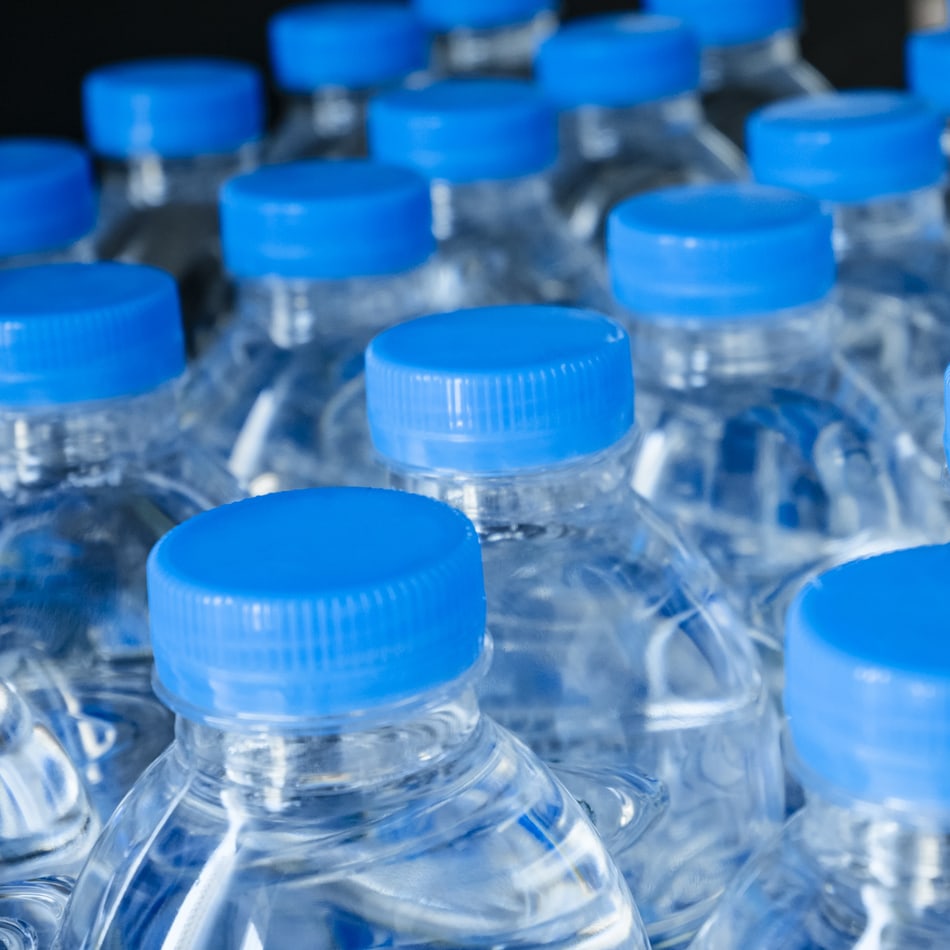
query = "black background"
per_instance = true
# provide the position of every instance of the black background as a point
(46, 46)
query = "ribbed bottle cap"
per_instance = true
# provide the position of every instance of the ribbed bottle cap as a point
(847, 146)
(47, 196)
(443, 15)
(498, 389)
(175, 108)
(465, 130)
(317, 603)
(730, 22)
(719, 251)
(867, 678)
(617, 61)
(326, 220)
(355, 45)
(76, 332)
(928, 67)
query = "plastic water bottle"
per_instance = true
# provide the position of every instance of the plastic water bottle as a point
(327, 59)
(488, 146)
(928, 59)
(750, 56)
(771, 455)
(324, 255)
(92, 471)
(890, 232)
(169, 132)
(31, 912)
(47, 202)
(332, 781)
(613, 645)
(47, 825)
(625, 130)
(864, 864)
(486, 37)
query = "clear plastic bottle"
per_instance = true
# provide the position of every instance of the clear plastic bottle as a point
(486, 37)
(47, 202)
(488, 147)
(92, 471)
(168, 132)
(32, 911)
(332, 781)
(890, 233)
(771, 455)
(614, 647)
(324, 255)
(625, 130)
(327, 59)
(864, 864)
(750, 56)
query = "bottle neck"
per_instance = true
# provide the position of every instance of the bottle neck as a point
(346, 754)
(596, 133)
(506, 50)
(877, 226)
(737, 65)
(687, 354)
(862, 847)
(328, 121)
(512, 501)
(86, 442)
(491, 206)
(294, 312)
(148, 181)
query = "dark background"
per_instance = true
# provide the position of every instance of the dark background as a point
(47, 45)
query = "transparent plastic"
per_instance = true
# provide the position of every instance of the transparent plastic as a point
(85, 491)
(47, 825)
(738, 80)
(83, 251)
(31, 912)
(894, 273)
(842, 876)
(164, 212)
(329, 123)
(614, 649)
(772, 456)
(426, 826)
(496, 51)
(609, 154)
(280, 397)
(504, 242)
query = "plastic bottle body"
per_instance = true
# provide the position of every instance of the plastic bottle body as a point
(505, 242)
(436, 829)
(85, 492)
(775, 458)
(279, 398)
(738, 80)
(613, 650)
(163, 211)
(491, 51)
(608, 155)
(840, 876)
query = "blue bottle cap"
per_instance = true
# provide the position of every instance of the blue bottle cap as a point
(847, 146)
(928, 67)
(719, 251)
(319, 603)
(355, 45)
(730, 22)
(498, 389)
(326, 220)
(443, 15)
(77, 332)
(867, 679)
(617, 61)
(47, 196)
(175, 108)
(465, 130)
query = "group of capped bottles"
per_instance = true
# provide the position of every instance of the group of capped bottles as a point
(500, 506)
